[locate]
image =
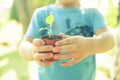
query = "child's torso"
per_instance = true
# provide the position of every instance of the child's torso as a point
(71, 22)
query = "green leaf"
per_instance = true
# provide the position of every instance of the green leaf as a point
(50, 19)
(43, 29)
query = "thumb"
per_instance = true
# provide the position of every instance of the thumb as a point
(64, 35)
(38, 42)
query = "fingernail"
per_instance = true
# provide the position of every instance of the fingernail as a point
(63, 64)
(57, 43)
(56, 57)
(51, 55)
(50, 48)
(42, 41)
(56, 49)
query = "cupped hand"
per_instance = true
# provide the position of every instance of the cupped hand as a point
(76, 46)
(41, 52)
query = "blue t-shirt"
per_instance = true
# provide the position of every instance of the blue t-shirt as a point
(71, 21)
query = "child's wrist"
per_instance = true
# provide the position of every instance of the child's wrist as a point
(29, 52)
(91, 45)
(95, 45)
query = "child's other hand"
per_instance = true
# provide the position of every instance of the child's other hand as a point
(75, 45)
(38, 52)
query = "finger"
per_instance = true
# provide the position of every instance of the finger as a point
(66, 41)
(45, 48)
(38, 42)
(63, 35)
(43, 63)
(69, 63)
(65, 48)
(42, 56)
(63, 56)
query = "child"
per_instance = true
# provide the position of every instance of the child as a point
(85, 34)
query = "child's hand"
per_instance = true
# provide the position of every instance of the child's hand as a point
(38, 52)
(75, 45)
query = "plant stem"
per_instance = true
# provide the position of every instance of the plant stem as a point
(50, 33)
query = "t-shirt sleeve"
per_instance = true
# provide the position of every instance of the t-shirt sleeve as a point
(35, 24)
(98, 20)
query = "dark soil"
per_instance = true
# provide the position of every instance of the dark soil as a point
(53, 37)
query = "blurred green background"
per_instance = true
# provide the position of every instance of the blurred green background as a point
(14, 20)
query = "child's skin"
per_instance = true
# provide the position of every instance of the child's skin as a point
(79, 47)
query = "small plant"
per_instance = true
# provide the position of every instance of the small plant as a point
(50, 39)
(49, 20)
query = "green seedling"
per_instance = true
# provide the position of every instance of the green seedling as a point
(49, 20)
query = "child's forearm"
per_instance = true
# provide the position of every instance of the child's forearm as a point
(25, 50)
(101, 43)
